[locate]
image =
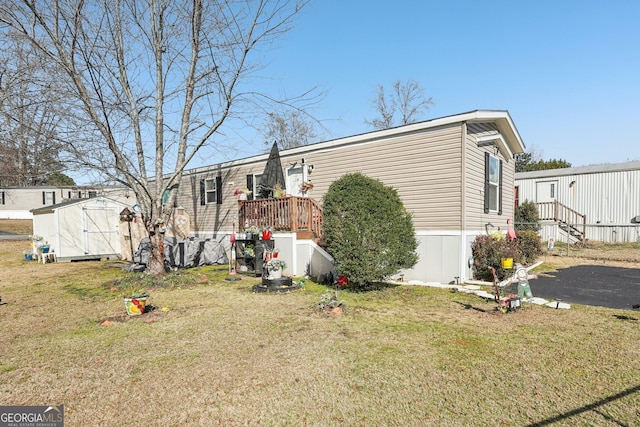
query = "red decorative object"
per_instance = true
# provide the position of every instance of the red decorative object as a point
(342, 281)
(266, 234)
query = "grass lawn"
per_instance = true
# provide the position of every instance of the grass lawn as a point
(222, 355)
(16, 226)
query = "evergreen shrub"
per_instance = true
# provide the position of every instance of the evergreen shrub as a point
(368, 231)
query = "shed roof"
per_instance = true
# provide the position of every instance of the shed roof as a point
(51, 208)
(580, 170)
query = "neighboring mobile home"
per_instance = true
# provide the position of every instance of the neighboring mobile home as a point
(17, 202)
(599, 202)
(454, 174)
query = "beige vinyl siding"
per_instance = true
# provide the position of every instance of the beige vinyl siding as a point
(212, 217)
(424, 167)
(475, 216)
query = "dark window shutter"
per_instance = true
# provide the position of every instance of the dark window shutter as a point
(500, 191)
(218, 190)
(53, 197)
(44, 198)
(2, 192)
(250, 186)
(486, 182)
(203, 196)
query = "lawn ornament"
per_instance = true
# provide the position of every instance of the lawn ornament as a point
(522, 277)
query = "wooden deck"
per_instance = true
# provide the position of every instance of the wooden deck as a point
(301, 215)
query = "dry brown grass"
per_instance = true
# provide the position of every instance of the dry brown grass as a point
(17, 226)
(595, 253)
(225, 356)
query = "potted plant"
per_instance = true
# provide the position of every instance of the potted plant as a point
(306, 186)
(278, 191)
(252, 232)
(242, 193)
(135, 301)
(266, 234)
(274, 268)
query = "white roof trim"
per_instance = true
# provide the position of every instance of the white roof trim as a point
(510, 138)
(501, 144)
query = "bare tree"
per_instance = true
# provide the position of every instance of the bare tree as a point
(405, 100)
(290, 129)
(29, 148)
(151, 81)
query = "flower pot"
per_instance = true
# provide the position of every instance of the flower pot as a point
(275, 274)
(135, 306)
(242, 196)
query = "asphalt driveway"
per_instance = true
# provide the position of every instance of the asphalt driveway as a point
(12, 236)
(612, 287)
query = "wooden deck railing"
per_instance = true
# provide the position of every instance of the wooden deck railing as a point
(556, 211)
(283, 213)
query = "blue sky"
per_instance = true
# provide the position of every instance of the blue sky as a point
(568, 71)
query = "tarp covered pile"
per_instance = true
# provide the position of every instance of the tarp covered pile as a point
(184, 253)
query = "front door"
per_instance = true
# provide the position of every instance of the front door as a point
(295, 178)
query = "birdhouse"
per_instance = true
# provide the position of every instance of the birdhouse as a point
(126, 215)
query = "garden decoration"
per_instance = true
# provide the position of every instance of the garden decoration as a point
(510, 302)
(135, 302)
(521, 277)
(272, 277)
(306, 186)
(274, 268)
(511, 233)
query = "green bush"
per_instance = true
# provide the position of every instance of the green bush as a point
(529, 246)
(526, 216)
(368, 231)
(488, 252)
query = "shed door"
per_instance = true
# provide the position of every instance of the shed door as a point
(101, 231)
(546, 191)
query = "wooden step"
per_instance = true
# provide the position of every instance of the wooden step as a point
(308, 235)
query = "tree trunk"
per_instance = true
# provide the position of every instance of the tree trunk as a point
(156, 257)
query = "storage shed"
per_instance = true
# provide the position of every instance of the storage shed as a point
(80, 229)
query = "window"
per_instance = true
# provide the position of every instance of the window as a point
(493, 184)
(1, 197)
(48, 198)
(253, 184)
(209, 191)
(92, 193)
(552, 191)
